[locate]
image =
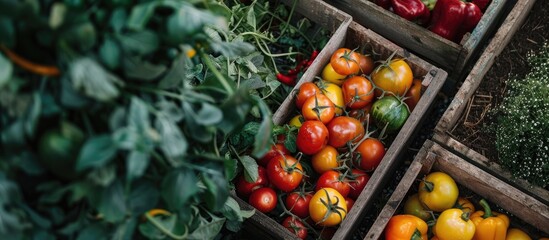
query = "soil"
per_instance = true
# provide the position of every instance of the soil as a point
(473, 128)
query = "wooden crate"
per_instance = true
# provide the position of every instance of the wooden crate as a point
(262, 226)
(433, 157)
(450, 56)
(457, 107)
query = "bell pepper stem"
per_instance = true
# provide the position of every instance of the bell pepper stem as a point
(416, 235)
(465, 216)
(487, 210)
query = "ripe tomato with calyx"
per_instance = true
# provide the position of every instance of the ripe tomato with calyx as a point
(312, 137)
(330, 75)
(366, 64)
(276, 150)
(371, 152)
(357, 92)
(394, 77)
(306, 90)
(345, 61)
(343, 130)
(335, 94)
(245, 188)
(318, 107)
(327, 207)
(285, 172)
(357, 182)
(334, 179)
(325, 160)
(295, 226)
(298, 203)
(263, 199)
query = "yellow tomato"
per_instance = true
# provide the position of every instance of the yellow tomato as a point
(325, 160)
(517, 234)
(334, 93)
(327, 207)
(394, 77)
(438, 191)
(330, 75)
(296, 121)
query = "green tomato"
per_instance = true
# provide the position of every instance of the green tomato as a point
(391, 113)
(58, 150)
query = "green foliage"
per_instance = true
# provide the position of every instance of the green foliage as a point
(522, 130)
(153, 119)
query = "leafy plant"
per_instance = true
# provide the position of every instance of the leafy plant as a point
(132, 114)
(522, 129)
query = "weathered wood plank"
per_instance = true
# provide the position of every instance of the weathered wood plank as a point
(503, 36)
(433, 157)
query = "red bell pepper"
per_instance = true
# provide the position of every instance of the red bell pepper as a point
(451, 19)
(412, 10)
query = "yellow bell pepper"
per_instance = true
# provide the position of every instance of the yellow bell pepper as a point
(454, 224)
(517, 234)
(490, 225)
(465, 205)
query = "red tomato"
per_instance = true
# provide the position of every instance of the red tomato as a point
(306, 90)
(318, 107)
(342, 130)
(366, 64)
(350, 202)
(295, 226)
(285, 172)
(325, 160)
(245, 188)
(371, 153)
(312, 137)
(298, 203)
(335, 180)
(413, 94)
(345, 61)
(276, 150)
(263, 199)
(358, 181)
(357, 92)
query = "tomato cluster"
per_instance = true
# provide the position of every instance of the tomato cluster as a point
(337, 144)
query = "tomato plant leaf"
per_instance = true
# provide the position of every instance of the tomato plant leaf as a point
(40, 221)
(235, 110)
(113, 203)
(9, 194)
(151, 232)
(173, 184)
(217, 188)
(172, 142)
(143, 196)
(209, 114)
(136, 164)
(57, 15)
(118, 19)
(180, 70)
(232, 49)
(139, 69)
(91, 78)
(290, 141)
(208, 229)
(230, 168)
(7, 70)
(140, 15)
(263, 136)
(138, 115)
(96, 152)
(250, 17)
(125, 230)
(109, 53)
(250, 168)
(231, 210)
(28, 163)
(94, 231)
(33, 114)
(70, 98)
(7, 32)
(141, 42)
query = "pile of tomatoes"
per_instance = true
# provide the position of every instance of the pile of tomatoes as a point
(336, 142)
(438, 212)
